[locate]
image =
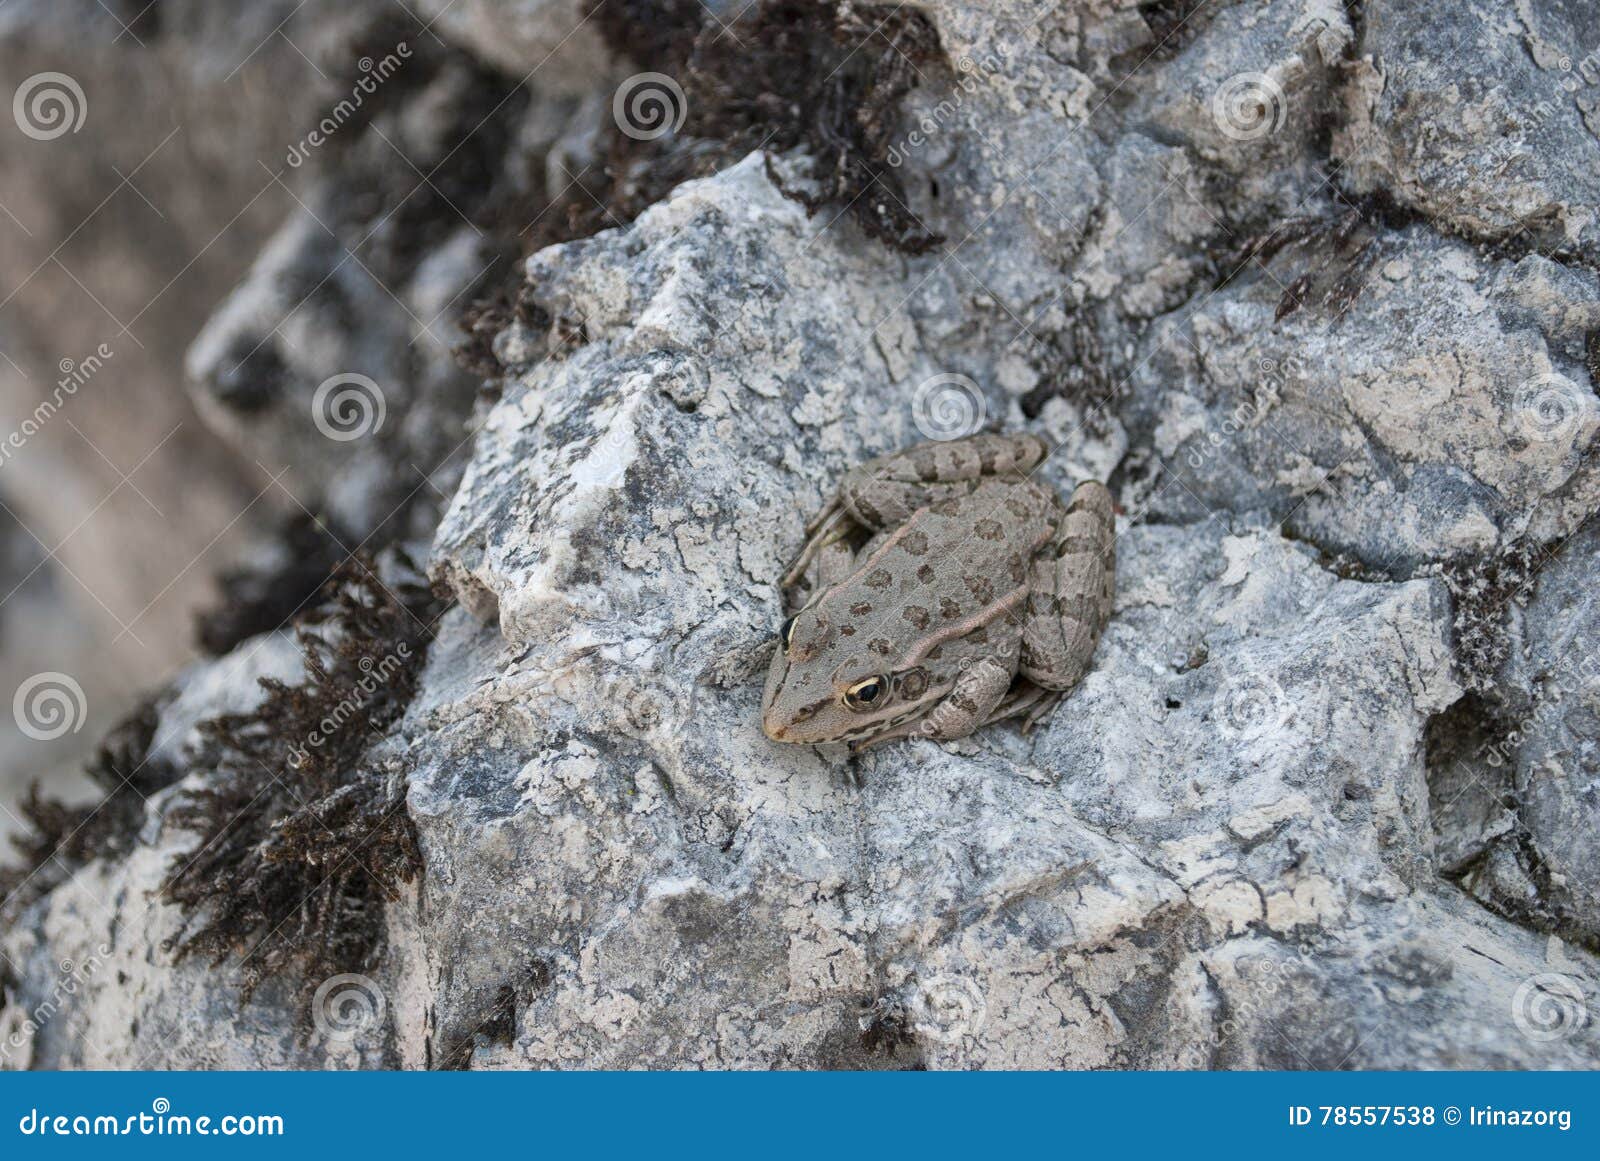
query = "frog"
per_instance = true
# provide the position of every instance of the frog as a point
(941, 588)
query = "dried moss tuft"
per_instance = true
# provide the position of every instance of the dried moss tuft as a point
(782, 78)
(300, 844)
(784, 75)
(71, 836)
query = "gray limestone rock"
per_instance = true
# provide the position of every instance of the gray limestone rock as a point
(1324, 800)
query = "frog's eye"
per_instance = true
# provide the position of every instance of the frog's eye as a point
(786, 634)
(865, 694)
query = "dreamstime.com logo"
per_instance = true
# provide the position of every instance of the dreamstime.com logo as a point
(21, 1028)
(160, 1121)
(1248, 107)
(1249, 706)
(74, 374)
(374, 676)
(49, 105)
(49, 705)
(373, 74)
(1549, 1006)
(947, 1009)
(1550, 407)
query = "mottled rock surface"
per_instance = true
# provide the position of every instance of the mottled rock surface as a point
(1326, 799)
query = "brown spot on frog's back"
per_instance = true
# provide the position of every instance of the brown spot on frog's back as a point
(879, 578)
(914, 542)
(989, 530)
(981, 587)
(917, 615)
(926, 574)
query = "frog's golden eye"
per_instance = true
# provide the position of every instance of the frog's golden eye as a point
(786, 634)
(863, 695)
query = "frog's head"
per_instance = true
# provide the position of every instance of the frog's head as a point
(829, 686)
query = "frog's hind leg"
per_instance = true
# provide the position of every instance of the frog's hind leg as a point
(1069, 595)
(884, 492)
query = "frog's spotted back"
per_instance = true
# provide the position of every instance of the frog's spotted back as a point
(942, 588)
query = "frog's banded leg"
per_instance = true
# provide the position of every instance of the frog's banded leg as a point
(884, 492)
(1069, 594)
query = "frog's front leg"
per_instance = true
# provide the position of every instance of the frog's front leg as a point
(972, 700)
(1069, 592)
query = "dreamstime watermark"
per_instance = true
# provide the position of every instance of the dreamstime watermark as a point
(969, 73)
(160, 1121)
(947, 407)
(1549, 1006)
(49, 105)
(1249, 706)
(649, 105)
(73, 976)
(347, 1006)
(1253, 1000)
(348, 406)
(374, 74)
(49, 705)
(1245, 415)
(1248, 106)
(1550, 407)
(946, 1009)
(1571, 674)
(73, 376)
(374, 676)
(645, 708)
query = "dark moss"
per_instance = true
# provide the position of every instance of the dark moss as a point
(1328, 257)
(300, 845)
(651, 33)
(304, 553)
(783, 78)
(785, 75)
(885, 1027)
(61, 837)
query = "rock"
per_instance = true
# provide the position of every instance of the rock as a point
(1505, 150)
(1284, 821)
(1462, 430)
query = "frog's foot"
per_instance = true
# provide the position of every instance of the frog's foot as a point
(831, 530)
(1032, 703)
(1069, 594)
